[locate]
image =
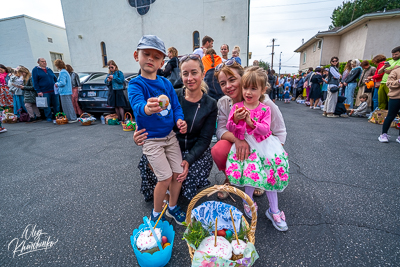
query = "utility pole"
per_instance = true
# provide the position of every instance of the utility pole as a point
(273, 45)
(280, 56)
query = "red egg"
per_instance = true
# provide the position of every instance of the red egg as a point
(221, 233)
(164, 240)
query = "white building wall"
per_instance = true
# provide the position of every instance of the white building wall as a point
(38, 32)
(120, 26)
(14, 43)
(24, 40)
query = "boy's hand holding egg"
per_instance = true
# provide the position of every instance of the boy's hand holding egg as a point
(152, 106)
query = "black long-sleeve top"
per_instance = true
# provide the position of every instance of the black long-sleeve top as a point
(353, 75)
(172, 64)
(200, 118)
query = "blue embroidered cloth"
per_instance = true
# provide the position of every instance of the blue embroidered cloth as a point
(208, 211)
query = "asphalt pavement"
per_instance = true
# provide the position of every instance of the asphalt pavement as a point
(77, 189)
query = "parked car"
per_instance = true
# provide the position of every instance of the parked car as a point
(94, 92)
(87, 76)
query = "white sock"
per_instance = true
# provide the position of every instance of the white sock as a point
(155, 214)
(172, 208)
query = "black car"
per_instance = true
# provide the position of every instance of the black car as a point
(93, 94)
(87, 76)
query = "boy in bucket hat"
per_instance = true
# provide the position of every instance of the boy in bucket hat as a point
(158, 118)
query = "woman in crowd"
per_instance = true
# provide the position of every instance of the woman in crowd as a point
(14, 84)
(346, 72)
(229, 76)
(315, 91)
(30, 95)
(115, 81)
(271, 81)
(173, 61)
(200, 112)
(75, 84)
(333, 82)
(393, 82)
(210, 59)
(300, 85)
(379, 61)
(65, 91)
(351, 81)
(6, 98)
(368, 71)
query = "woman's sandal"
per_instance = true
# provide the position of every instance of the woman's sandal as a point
(258, 192)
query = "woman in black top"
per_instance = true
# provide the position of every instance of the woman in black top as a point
(200, 112)
(315, 92)
(172, 64)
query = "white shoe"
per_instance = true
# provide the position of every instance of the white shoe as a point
(317, 108)
(72, 121)
(384, 138)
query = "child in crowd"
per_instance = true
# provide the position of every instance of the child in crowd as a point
(236, 53)
(18, 95)
(280, 93)
(286, 95)
(361, 111)
(161, 146)
(267, 167)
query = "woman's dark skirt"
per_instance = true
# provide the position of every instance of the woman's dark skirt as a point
(197, 177)
(116, 98)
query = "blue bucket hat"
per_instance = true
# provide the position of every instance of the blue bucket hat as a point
(151, 42)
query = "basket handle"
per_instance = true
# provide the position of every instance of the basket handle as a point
(230, 189)
(85, 114)
(127, 113)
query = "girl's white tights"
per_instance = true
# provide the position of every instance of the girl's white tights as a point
(272, 197)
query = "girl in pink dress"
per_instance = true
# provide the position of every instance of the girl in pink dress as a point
(267, 167)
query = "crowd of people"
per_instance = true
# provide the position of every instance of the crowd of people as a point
(21, 87)
(334, 91)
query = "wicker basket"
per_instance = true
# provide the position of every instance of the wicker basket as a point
(10, 118)
(230, 189)
(61, 118)
(85, 115)
(125, 126)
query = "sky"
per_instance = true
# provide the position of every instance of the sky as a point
(287, 21)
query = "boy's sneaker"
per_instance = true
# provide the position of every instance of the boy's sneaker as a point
(2, 130)
(247, 209)
(398, 139)
(384, 138)
(278, 220)
(154, 219)
(177, 214)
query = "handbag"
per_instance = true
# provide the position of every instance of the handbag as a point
(334, 89)
(175, 77)
(41, 102)
(23, 116)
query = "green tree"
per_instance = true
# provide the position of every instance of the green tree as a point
(353, 9)
(264, 64)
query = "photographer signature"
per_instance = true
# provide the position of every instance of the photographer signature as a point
(31, 240)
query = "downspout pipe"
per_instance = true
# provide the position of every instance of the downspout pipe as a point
(248, 31)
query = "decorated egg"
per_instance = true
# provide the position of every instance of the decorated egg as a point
(164, 240)
(221, 233)
(165, 245)
(228, 234)
(163, 101)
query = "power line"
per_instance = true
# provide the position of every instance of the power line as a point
(287, 19)
(305, 3)
(285, 31)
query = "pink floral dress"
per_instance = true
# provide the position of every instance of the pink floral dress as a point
(267, 166)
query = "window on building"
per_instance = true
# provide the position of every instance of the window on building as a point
(142, 6)
(314, 47)
(319, 44)
(53, 57)
(103, 54)
(196, 40)
(50, 40)
(304, 57)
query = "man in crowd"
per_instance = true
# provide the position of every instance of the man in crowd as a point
(224, 52)
(43, 81)
(394, 63)
(207, 42)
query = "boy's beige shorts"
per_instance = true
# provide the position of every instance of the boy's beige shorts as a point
(164, 156)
